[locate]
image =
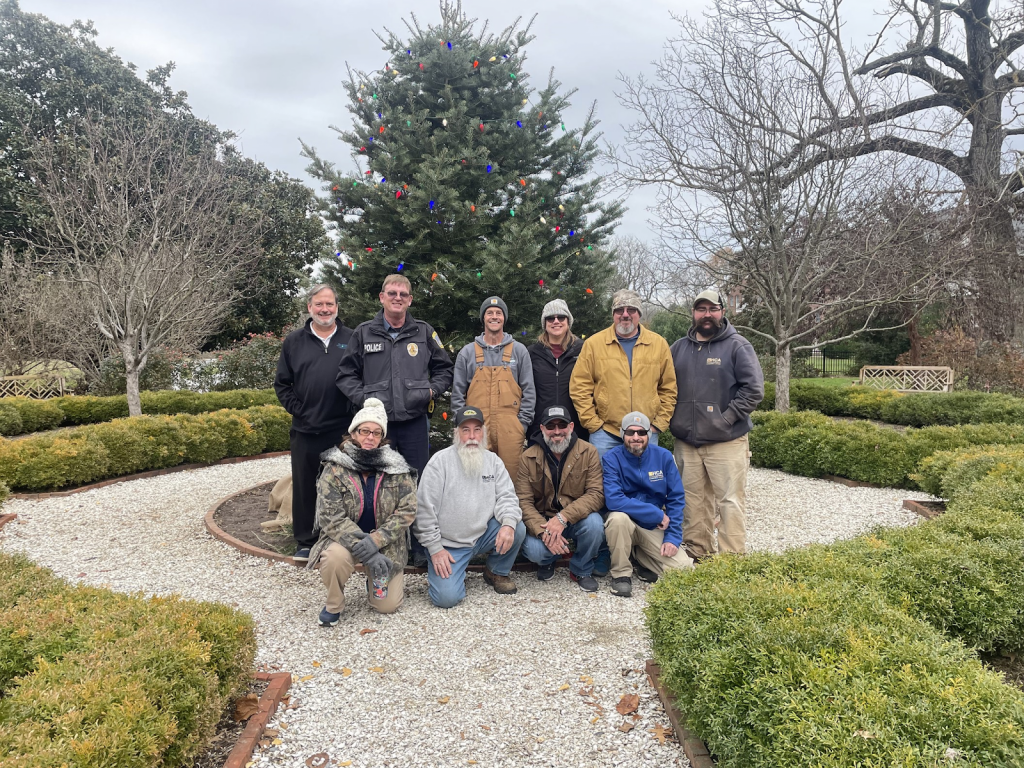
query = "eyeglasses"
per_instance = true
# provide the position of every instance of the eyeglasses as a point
(397, 295)
(556, 318)
(635, 433)
(624, 310)
(706, 310)
(369, 432)
(556, 425)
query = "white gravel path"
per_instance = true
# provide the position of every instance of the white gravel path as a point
(527, 680)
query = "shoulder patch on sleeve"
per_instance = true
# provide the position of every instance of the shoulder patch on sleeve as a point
(437, 340)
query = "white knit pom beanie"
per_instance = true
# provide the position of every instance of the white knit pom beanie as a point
(372, 411)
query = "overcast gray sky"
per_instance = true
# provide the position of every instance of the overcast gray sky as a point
(272, 71)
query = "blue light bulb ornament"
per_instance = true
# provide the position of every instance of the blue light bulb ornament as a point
(519, 123)
(488, 168)
(382, 180)
(431, 205)
(401, 266)
(449, 46)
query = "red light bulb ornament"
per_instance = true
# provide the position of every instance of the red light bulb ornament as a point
(541, 282)
(481, 127)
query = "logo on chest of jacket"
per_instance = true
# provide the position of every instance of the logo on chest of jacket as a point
(376, 347)
(487, 478)
(339, 345)
(412, 349)
(655, 476)
(714, 361)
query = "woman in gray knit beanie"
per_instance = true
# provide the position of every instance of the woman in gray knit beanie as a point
(554, 356)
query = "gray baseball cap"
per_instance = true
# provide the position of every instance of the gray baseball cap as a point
(634, 419)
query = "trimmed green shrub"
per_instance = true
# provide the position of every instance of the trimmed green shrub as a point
(10, 419)
(19, 415)
(93, 677)
(943, 473)
(821, 670)
(4, 493)
(125, 446)
(36, 415)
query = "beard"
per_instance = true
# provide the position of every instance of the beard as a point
(625, 328)
(709, 326)
(471, 455)
(557, 444)
(635, 449)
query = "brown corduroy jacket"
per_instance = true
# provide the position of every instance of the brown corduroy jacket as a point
(580, 491)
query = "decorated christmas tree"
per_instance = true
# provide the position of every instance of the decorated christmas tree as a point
(469, 183)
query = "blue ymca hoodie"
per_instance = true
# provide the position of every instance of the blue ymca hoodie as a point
(645, 488)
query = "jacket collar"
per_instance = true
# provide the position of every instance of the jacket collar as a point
(724, 332)
(643, 338)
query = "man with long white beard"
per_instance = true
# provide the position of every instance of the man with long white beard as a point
(465, 506)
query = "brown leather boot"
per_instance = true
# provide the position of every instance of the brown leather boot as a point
(503, 585)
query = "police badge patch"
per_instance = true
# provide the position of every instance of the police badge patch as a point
(437, 340)
(412, 349)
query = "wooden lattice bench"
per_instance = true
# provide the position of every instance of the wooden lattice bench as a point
(908, 378)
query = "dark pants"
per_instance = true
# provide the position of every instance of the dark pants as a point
(412, 439)
(306, 450)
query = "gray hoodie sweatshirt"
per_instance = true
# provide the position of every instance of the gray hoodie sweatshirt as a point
(453, 509)
(521, 366)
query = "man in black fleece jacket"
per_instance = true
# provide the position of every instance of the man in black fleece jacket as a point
(305, 385)
(720, 383)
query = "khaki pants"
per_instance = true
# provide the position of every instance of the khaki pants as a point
(714, 474)
(625, 538)
(337, 565)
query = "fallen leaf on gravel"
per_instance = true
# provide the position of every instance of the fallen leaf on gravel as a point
(594, 720)
(277, 742)
(540, 739)
(593, 596)
(270, 733)
(367, 631)
(563, 687)
(628, 704)
(626, 727)
(378, 670)
(586, 679)
(444, 700)
(316, 663)
(471, 762)
(421, 682)
(304, 678)
(660, 733)
(486, 727)
(246, 707)
(319, 760)
(345, 763)
(586, 691)
(343, 671)
(284, 726)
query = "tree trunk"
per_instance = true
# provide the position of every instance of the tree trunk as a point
(131, 375)
(782, 354)
(998, 272)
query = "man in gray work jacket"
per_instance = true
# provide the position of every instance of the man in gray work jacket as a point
(720, 383)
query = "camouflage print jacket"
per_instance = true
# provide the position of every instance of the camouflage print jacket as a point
(339, 502)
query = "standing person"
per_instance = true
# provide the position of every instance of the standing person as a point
(625, 367)
(305, 386)
(645, 499)
(554, 356)
(401, 361)
(495, 372)
(466, 506)
(366, 501)
(720, 384)
(561, 494)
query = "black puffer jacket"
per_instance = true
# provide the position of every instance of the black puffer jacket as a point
(551, 379)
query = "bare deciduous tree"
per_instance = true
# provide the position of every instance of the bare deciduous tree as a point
(721, 130)
(145, 232)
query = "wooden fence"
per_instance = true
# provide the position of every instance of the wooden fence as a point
(35, 387)
(908, 378)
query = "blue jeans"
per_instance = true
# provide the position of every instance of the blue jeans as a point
(447, 593)
(588, 534)
(603, 441)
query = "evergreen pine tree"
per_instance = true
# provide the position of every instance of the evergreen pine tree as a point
(469, 184)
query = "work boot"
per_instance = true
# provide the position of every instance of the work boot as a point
(622, 586)
(642, 572)
(503, 585)
(546, 572)
(587, 583)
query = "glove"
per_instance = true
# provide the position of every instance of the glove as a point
(378, 566)
(364, 548)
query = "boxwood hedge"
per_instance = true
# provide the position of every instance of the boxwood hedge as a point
(90, 677)
(20, 415)
(124, 446)
(860, 653)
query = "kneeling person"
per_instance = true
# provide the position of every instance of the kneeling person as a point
(560, 492)
(365, 503)
(644, 494)
(466, 506)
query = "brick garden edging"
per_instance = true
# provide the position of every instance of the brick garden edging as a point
(926, 509)
(143, 475)
(695, 749)
(278, 684)
(5, 519)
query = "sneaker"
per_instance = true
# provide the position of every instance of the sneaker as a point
(301, 555)
(503, 585)
(546, 572)
(622, 586)
(587, 583)
(644, 574)
(328, 619)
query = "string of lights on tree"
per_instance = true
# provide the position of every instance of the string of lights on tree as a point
(402, 192)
